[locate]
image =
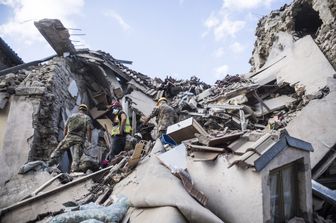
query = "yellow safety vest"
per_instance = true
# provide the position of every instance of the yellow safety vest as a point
(116, 129)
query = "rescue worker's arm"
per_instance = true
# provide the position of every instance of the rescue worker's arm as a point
(89, 128)
(123, 118)
(154, 113)
(89, 134)
(66, 126)
(175, 118)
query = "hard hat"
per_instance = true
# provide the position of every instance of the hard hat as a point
(161, 99)
(116, 104)
(83, 107)
(138, 134)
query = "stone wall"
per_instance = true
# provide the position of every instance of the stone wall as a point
(302, 17)
(55, 101)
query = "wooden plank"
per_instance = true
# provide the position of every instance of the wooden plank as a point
(226, 106)
(90, 57)
(224, 139)
(106, 123)
(136, 156)
(273, 104)
(95, 113)
(190, 188)
(206, 148)
(204, 156)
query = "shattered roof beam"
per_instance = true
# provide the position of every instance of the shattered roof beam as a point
(125, 61)
(119, 73)
(56, 34)
(24, 66)
(324, 192)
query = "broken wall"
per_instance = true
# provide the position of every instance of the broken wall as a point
(316, 124)
(55, 105)
(16, 145)
(31, 130)
(41, 103)
(243, 195)
(283, 50)
(3, 123)
(227, 188)
(302, 17)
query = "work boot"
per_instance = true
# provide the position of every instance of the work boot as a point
(51, 162)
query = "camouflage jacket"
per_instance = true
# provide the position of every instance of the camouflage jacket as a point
(78, 124)
(165, 115)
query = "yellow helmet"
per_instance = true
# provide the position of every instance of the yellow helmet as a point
(161, 99)
(83, 107)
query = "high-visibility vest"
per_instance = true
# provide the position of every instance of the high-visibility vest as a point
(116, 129)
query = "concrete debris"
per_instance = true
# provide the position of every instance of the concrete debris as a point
(56, 34)
(258, 147)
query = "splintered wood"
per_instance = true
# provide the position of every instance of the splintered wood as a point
(136, 156)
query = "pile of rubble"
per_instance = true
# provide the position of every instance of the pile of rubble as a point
(258, 147)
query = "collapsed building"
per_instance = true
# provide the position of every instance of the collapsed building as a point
(251, 148)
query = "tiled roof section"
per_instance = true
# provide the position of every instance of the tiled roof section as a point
(10, 53)
(255, 151)
(143, 82)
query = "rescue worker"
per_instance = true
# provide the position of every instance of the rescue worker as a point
(165, 116)
(121, 127)
(77, 130)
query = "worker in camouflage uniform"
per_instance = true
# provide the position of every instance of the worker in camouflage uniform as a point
(77, 130)
(165, 116)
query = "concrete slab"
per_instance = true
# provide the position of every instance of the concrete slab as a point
(56, 34)
(20, 186)
(315, 123)
(274, 104)
(304, 63)
(143, 103)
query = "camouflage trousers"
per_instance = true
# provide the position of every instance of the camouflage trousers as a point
(69, 141)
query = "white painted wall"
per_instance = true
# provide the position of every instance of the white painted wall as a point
(3, 123)
(315, 123)
(237, 195)
(14, 152)
(234, 194)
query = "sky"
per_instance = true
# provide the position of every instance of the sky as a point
(180, 38)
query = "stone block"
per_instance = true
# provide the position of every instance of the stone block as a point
(22, 91)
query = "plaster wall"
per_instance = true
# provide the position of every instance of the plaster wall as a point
(142, 102)
(283, 21)
(315, 123)
(3, 123)
(235, 195)
(17, 138)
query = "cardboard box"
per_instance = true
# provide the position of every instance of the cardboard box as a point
(184, 130)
